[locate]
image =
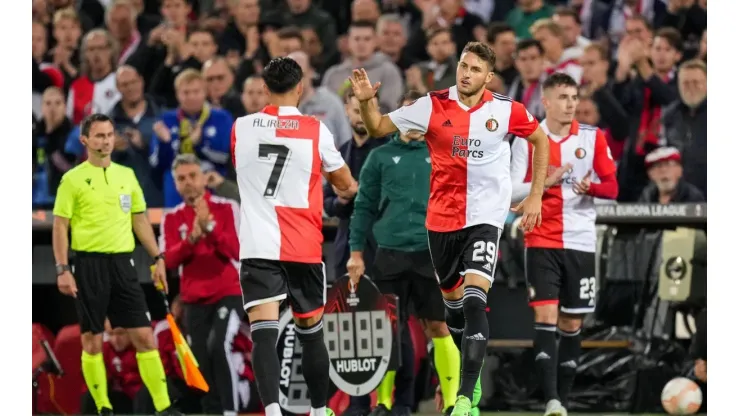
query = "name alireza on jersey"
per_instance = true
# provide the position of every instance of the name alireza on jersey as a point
(568, 219)
(471, 182)
(278, 155)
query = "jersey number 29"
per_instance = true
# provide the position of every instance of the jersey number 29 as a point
(282, 154)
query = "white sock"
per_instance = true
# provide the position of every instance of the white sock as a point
(321, 411)
(273, 409)
(230, 413)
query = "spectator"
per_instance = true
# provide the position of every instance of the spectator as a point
(220, 86)
(90, 12)
(313, 47)
(241, 38)
(482, 8)
(302, 13)
(254, 97)
(634, 26)
(551, 37)
(322, 103)
(597, 92)
(645, 92)
(51, 159)
(688, 17)
(702, 53)
(594, 17)
(525, 14)
(530, 64)
(170, 33)
(502, 39)
(95, 89)
(439, 72)
(181, 55)
(44, 75)
(625, 10)
(194, 127)
(447, 14)
(362, 45)
(365, 10)
(290, 40)
(392, 38)
(65, 55)
(685, 122)
(355, 153)
(570, 25)
(120, 18)
(667, 185)
(134, 117)
(144, 21)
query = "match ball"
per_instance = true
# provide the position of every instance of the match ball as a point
(681, 396)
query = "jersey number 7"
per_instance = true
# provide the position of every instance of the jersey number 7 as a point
(282, 155)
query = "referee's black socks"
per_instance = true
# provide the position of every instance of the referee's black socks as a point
(545, 359)
(569, 352)
(475, 338)
(315, 363)
(266, 364)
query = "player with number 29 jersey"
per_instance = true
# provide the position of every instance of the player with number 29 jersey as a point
(281, 154)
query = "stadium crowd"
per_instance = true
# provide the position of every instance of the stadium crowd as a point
(175, 74)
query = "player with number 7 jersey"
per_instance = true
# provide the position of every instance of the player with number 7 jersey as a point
(279, 156)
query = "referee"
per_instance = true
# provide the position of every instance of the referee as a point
(101, 201)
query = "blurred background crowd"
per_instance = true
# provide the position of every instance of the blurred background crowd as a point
(123, 57)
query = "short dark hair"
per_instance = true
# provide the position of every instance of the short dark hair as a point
(644, 20)
(558, 79)
(203, 30)
(525, 44)
(672, 36)
(411, 95)
(432, 33)
(92, 119)
(497, 29)
(483, 51)
(282, 75)
(566, 11)
(360, 24)
(290, 32)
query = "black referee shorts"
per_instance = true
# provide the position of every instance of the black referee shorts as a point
(107, 286)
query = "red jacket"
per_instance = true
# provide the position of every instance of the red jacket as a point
(168, 352)
(209, 269)
(122, 369)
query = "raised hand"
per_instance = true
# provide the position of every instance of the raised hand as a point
(361, 86)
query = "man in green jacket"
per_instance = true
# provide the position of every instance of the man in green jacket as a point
(392, 199)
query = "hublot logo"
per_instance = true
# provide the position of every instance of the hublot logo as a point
(464, 147)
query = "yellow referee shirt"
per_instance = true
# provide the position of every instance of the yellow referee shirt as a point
(99, 203)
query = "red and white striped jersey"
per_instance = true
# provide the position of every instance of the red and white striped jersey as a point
(87, 97)
(278, 155)
(568, 219)
(471, 182)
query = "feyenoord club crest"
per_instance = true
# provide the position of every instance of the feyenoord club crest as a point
(293, 389)
(492, 124)
(580, 153)
(359, 335)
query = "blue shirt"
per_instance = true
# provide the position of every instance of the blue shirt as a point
(213, 149)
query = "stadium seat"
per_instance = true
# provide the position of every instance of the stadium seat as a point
(40, 332)
(64, 392)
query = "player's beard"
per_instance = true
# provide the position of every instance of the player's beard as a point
(471, 90)
(359, 129)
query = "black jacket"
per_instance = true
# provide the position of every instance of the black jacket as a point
(686, 129)
(684, 193)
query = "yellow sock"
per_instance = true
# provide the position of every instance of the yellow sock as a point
(155, 380)
(447, 363)
(93, 370)
(385, 389)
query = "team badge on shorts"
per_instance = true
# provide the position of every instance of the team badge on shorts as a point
(580, 153)
(492, 124)
(125, 202)
(532, 293)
